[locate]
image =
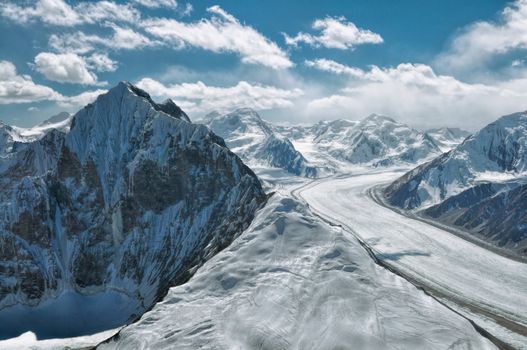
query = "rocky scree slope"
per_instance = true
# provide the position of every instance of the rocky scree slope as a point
(130, 199)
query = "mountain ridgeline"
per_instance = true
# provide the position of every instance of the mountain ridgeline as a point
(257, 143)
(480, 186)
(130, 200)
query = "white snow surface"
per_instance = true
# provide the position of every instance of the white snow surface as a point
(29, 341)
(374, 141)
(258, 142)
(496, 153)
(291, 281)
(453, 267)
(448, 138)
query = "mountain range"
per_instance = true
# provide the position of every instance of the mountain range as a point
(479, 186)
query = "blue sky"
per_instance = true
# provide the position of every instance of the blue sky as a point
(428, 63)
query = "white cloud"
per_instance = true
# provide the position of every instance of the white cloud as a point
(480, 43)
(334, 67)
(33, 109)
(81, 43)
(187, 10)
(81, 99)
(221, 33)
(60, 13)
(95, 12)
(201, 98)
(64, 68)
(335, 33)
(157, 3)
(101, 62)
(16, 88)
(414, 93)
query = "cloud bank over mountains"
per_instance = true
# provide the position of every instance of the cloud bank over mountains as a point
(479, 74)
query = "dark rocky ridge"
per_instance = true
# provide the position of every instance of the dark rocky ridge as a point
(129, 200)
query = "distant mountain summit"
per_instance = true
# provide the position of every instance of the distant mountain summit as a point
(376, 140)
(448, 138)
(257, 143)
(479, 185)
(129, 200)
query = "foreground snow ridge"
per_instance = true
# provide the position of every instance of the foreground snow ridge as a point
(291, 281)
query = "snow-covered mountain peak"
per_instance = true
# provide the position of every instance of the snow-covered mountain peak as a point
(377, 140)
(56, 119)
(500, 148)
(256, 142)
(376, 120)
(479, 185)
(447, 138)
(127, 202)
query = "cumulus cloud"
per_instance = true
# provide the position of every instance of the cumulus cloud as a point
(187, 10)
(15, 88)
(334, 67)
(414, 93)
(81, 99)
(101, 62)
(335, 33)
(201, 98)
(64, 68)
(81, 43)
(157, 3)
(60, 13)
(480, 43)
(221, 33)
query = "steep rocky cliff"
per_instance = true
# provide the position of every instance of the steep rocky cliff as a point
(129, 200)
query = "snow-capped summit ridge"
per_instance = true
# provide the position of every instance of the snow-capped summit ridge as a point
(479, 185)
(128, 200)
(375, 140)
(257, 142)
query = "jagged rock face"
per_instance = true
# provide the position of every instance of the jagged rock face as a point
(375, 140)
(131, 198)
(479, 185)
(255, 141)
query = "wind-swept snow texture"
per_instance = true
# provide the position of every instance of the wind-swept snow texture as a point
(291, 281)
(127, 202)
(485, 286)
(480, 185)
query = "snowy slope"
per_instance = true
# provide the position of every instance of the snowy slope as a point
(496, 152)
(487, 287)
(257, 143)
(378, 140)
(292, 281)
(455, 186)
(117, 209)
(10, 135)
(374, 141)
(447, 138)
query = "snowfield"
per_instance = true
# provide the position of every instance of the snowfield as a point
(291, 281)
(484, 286)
